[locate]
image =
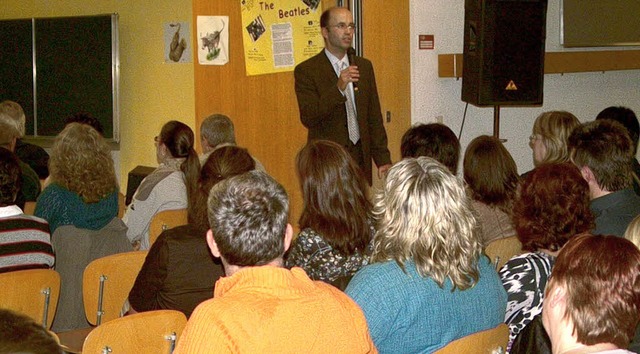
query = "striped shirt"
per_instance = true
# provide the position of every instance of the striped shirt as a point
(25, 241)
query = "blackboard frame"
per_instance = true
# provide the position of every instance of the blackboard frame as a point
(62, 66)
(603, 23)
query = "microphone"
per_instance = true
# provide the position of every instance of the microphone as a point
(351, 55)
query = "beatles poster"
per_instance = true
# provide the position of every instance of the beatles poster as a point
(279, 34)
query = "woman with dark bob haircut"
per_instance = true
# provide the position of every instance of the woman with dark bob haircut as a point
(335, 240)
(552, 206)
(492, 178)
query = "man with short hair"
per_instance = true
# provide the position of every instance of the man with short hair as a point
(217, 131)
(338, 96)
(260, 306)
(602, 150)
(29, 187)
(433, 140)
(628, 119)
(25, 240)
(33, 155)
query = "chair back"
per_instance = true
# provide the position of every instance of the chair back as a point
(491, 341)
(75, 249)
(164, 220)
(106, 284)
(122, 207)
(145, 332)
(502, 250)
(29, 207)
(33, 292)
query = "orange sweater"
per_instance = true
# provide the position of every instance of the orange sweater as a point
(275, 310)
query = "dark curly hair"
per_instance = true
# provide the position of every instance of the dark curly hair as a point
(552, 205)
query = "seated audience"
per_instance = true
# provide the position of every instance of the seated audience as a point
(551, 207)
(492, 178)
(548, 140)
(28, 184)
(602, 150)
(217, 131)
(433, 140)
(260, 306)
(335, 241)
(593, 300)
(83, 189)
(21, 334)
(33, 155)
(428, 283)
(628, 119)
(25, 241)
(168, 187)
(178, 271)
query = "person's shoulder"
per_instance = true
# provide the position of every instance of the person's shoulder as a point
(310, 62)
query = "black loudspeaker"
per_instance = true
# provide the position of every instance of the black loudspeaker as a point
(504, 52)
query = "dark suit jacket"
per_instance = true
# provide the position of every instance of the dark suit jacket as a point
(323, 112)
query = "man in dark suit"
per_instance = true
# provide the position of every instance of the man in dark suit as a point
(326, 89)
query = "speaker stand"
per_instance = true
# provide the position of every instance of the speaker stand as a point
(496, 121)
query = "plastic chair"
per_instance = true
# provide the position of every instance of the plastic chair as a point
(165, 220)
(502, 250)
(106, 284)
(145, 332)
(33, 292)
(491, 341)
(29, 207)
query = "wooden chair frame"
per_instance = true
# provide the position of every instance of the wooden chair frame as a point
(165, 220)
(145, 332)
(23, 291)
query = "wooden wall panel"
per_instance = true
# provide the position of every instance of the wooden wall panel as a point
(264, 107)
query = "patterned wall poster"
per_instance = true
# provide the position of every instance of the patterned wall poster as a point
(279, 34)
(213, 40)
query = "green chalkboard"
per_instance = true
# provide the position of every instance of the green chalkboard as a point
(56, 67)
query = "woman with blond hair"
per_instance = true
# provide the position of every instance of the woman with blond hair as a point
(548, 140)
(335, 240)
(429, 283)
(83, 189)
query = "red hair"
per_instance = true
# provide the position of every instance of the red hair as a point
(552, 205)
(601, 275)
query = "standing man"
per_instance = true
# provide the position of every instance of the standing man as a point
(328, 85)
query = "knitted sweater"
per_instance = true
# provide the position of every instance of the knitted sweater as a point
(275, 310)
(60, 206)
(25, 242)
(407, 313)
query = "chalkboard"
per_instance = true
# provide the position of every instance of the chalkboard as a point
(601, 23)
(56, 67)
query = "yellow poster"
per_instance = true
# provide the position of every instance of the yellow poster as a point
(279, 34)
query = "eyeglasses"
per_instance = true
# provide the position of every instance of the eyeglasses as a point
(343, 26)
(534, 137)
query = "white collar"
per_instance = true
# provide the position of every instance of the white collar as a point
(11, 210)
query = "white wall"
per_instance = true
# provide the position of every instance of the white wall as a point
(583, 94)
